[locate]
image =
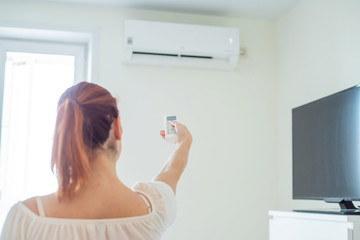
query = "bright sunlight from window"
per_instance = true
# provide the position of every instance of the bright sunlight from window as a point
(32, 87)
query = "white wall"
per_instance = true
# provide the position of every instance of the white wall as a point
(230, 182)
(318, 46)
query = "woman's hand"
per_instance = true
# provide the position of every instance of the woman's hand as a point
(183, 134)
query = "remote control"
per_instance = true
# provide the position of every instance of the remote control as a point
(170, 132)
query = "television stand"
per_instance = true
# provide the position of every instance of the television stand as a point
(331, 211)
(346, 208)
(347, 205)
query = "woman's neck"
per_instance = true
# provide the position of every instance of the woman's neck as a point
(103, 169)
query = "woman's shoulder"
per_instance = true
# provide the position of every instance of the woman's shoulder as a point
(30, 203)
(154, 189)
(162, 199)
(153, 185)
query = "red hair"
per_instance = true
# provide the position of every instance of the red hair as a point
(86, 112)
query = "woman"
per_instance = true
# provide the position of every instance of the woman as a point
(91, 202)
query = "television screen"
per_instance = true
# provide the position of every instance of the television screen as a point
(326, 147)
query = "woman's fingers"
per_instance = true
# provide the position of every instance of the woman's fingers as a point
(162, 133)
(173, 123)
(182, 132)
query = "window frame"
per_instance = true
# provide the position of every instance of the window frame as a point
(42, 47)
(45, 42)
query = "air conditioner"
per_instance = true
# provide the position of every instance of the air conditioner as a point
(171, 44)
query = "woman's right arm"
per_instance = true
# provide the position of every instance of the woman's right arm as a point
(175, 165)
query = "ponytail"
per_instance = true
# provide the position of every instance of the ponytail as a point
(69, 154)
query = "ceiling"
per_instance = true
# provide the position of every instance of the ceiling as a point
(260, 9)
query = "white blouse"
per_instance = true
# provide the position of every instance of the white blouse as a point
(22, 223)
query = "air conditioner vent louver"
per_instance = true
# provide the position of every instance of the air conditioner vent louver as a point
(172, 55)
(156, 54)
(194, 56)
(170, 44)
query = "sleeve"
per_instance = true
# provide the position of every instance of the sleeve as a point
(13, 227)
(168, 209)
(162, 199)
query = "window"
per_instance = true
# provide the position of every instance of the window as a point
(32, 78)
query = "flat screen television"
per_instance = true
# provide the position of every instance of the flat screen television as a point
(326, 150)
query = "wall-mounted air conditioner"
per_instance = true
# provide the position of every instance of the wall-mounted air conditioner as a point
(171, 44)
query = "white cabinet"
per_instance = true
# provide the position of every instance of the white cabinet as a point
(310, 226)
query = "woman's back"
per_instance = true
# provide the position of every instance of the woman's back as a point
(112, 200)
(22, 223)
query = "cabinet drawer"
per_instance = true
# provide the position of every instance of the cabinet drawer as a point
(301, 229)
